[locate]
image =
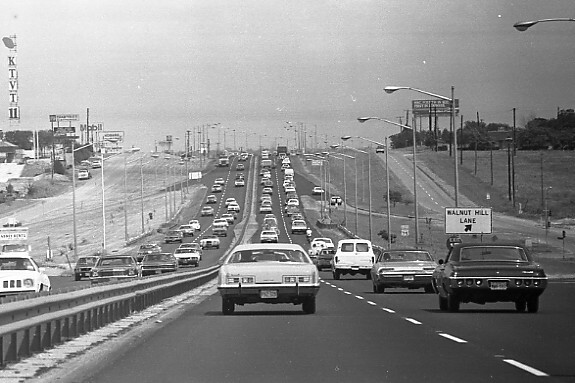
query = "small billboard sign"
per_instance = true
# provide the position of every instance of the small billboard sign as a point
(434, 106)
(468, 220)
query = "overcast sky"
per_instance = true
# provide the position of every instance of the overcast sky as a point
(153, 68)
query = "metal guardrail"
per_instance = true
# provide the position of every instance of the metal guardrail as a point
(31, 326)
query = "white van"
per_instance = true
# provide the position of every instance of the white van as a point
(353, 256)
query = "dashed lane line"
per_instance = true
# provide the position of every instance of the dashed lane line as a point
(525, 367)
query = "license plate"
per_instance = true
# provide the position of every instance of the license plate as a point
(408, 277)
(498, 285)
(355, 267)
(268, 294)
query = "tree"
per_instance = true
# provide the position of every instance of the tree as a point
(384, 235)
(21, 138)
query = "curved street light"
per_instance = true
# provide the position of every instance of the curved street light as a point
(524, 25)
(391, 89)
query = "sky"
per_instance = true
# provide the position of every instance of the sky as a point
(158, 68)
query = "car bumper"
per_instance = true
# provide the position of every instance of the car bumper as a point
(154, 271)
(404, 280)
(188, 261)
(268, 294)
(482, 290)
(112, 279)
(268, 240)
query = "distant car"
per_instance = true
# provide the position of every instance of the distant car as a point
(174, 236)
(265, 207)
(83, 266)
(298, 226)
(21, 274)
(268, 273)
(267, 190)
(207, 211)
(239, 182)
(234, 207)
(289, 189)
(192, 245)
(187, 256)
(217, 189)
(317, 191)
(335, 200)
(240, 167)
(319, 243)
(147, 248)
(481, 273)
(195, 224)
(211, 199)
(296, 216)
(268, 183)
(221, 221)
(220, 229)
(292, 202)
(229, 217)
(210, 242)
(380, 149)
(159, 263)
(84, 174)
(268, 236)
(220, 181)
(324, 258)
(290, 210)
(187, 230)
(407, 268)
(115, 268)
(230, 200)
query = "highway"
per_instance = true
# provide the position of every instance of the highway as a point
(356, 335)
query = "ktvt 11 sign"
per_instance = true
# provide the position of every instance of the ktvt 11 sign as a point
(468, 220)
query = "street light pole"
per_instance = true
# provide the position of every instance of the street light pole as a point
(391, 89)
(524, 25)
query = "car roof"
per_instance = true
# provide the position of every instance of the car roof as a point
(270, 246)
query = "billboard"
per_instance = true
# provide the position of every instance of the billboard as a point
(435, 106)
(468, 220)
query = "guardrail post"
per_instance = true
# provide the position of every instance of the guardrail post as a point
(24, 349)
(47, 336)
(11, 353)
(80, 324)
(57, 338)
(36, 341)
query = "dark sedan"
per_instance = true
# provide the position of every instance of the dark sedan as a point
(482, 273)
(159, 263)
(115, 268)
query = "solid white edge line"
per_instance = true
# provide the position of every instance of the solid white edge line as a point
(412, 320)
(453, 338)
(525, 367)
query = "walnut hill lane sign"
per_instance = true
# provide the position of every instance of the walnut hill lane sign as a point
(468, 220)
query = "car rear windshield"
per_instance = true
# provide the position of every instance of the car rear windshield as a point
(86, 261)
(279, 255)
(123, 261)
(158, 257)
(403, 256)
(360, 247)
(495, 253)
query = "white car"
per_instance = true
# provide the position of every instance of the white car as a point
(229, 217)
(188, 230)
(317, 191)
(195, 224)
(323, 241)
(210, 242)
(292, 202)
(220, 181)
(298, 226)
(289, 189)
(234, 207)
(221, 221)
(20, 274)
(268, 273)
(239, 182)
(230, 200)
(84, 174)
(192, 245)
(268, 236)
(187, 256)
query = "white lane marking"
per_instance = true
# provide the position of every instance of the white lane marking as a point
(388, 310)
(525, 367)
(453, 338)
(359, 297)
(412, 320)
(340, 289)
(347, 292)
(372, 303)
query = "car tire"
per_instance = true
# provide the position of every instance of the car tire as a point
(429, 289)
(442, 303)
(308, 305)
(336, 275)
(368, 276)
(452, 303)
(520, 305)
(533, 304)
(378, 289)
(228, 306)
(77, 277)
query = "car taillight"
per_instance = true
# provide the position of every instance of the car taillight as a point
(298, 279)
